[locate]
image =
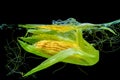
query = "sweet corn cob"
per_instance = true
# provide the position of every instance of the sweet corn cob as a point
(60, 28)
(52, 46)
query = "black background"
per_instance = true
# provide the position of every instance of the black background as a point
(107, 67)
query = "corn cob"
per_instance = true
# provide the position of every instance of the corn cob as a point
(52, 47)
(60, 28)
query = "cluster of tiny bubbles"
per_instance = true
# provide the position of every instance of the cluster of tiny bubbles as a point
(70, 21)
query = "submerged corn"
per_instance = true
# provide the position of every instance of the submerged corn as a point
(52, 47)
